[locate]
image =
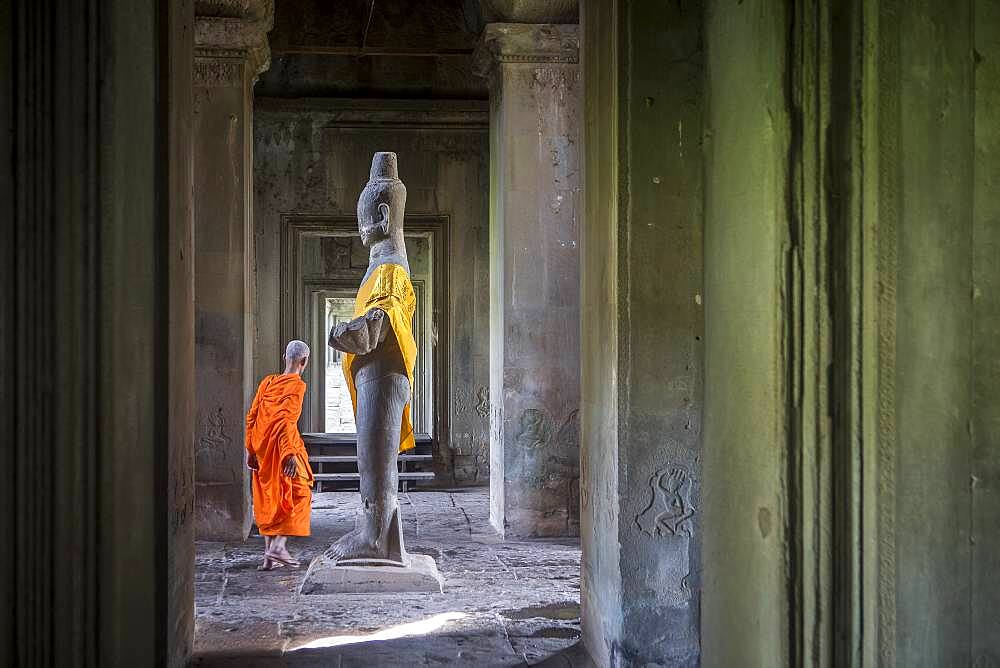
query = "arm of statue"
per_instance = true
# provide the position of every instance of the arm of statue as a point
(361, 335)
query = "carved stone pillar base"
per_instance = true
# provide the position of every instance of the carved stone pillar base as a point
(419, 574)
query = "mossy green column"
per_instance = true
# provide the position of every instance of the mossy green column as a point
(851, 318)
(744, 615)
(985, 479)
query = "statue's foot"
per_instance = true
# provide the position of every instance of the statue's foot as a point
(356, 544)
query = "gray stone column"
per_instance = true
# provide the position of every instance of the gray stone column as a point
(230, 51)
(535, 279)
(642, 302)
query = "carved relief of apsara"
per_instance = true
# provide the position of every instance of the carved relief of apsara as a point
(669, 511)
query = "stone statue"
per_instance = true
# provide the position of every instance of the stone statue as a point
(378, 365)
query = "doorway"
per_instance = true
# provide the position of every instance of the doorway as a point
(324, 264)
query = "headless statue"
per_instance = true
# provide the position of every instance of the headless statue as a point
(378, 366)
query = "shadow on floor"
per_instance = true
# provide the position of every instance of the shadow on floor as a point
(407, 652)
(505, 603)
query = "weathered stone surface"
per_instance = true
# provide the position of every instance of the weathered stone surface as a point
(504, 602)
(326, 577)
(985, 477)
(525, 43)
(642, 328)
(375, 344)
(941, 310)
(235, 29)
(885, 490)
(745, 546)
(230, 49)
(389, 49)
(534, 341)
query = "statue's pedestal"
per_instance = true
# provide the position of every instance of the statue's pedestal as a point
(419, 575)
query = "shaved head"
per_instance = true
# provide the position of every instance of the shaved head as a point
(296, 350)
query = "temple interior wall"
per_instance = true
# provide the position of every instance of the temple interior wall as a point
(312, 159)
(425, 54)
(641, 278)
(850, 413)
(849, 322)
(947, 323)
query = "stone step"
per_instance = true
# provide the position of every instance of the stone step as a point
(319, 439)
(349, 477)
(353, 458)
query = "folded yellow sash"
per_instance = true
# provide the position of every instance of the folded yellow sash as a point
(389, 289)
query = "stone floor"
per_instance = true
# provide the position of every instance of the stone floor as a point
(504, 603)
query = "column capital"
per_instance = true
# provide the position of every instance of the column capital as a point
(526, 43)
(234, 29)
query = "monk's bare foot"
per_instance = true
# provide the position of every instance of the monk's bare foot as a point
(270, 565)
(282, 557)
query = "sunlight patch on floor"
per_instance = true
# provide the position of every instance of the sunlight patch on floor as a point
(418, 628)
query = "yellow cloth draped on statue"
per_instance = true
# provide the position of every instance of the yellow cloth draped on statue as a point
(389, 289)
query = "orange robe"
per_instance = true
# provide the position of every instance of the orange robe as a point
(281, 505)
(389, 289)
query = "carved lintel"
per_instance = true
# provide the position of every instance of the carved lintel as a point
(235, 9)
(526, 43)
(212, 73)
(235, 28)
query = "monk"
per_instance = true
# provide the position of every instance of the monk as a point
(282, 478)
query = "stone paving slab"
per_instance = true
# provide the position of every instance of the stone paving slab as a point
(505, 603)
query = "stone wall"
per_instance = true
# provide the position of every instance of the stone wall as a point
(945, 368)
(231, 50)
(985, 351)
(642, 333)
(312, 158)
(851, 468)
(394, 48)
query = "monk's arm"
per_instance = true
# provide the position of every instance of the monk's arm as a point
(361, 335)
(254, 407)
(290, 443)
(251, 420)
(288, 449)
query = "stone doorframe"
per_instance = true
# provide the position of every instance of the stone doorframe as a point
(295, 226)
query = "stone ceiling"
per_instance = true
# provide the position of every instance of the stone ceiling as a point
(385, 48)
(385, 26)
